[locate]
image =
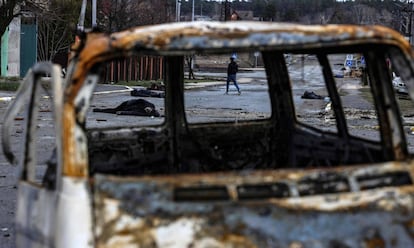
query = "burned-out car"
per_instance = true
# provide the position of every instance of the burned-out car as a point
(270, 168)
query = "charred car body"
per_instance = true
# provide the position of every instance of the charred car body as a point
(270, 181)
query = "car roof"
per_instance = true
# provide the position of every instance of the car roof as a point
(183, 38)
(213, 36)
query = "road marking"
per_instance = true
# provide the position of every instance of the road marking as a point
(6, 98)
(128, 89)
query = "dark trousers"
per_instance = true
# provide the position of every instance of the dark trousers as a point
(232, 77)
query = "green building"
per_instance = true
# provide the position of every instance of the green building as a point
(18, 47)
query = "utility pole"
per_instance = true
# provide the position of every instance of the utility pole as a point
(94, 25)
(192, 11)
(178, 10)
(81, 21)
(406, 19)
(225, 10)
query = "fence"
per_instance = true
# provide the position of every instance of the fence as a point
(134, 69)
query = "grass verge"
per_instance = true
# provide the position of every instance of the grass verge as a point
(9, 83)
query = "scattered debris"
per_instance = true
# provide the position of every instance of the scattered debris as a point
(311, 95)
(147, 93)
(5, 232)
(399, 86)
(156, 86)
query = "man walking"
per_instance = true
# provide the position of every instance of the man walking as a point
(232, 70)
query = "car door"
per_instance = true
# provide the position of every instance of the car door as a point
(37, 190)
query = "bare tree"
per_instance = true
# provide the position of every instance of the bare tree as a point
(53, 36)
(116, 15)
(56, 27)
(362, 14)
(9, 9)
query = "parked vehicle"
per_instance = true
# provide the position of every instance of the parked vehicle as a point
(268, 177)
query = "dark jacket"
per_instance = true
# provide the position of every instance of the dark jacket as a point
(233, 68)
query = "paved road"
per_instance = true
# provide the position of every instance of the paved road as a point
(7, 192)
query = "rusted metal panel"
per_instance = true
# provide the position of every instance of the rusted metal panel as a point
(217, 210)
(35, 223)
(48, 218)
(211, 35)
(75, 157)
(74, 214)
(29, 93)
